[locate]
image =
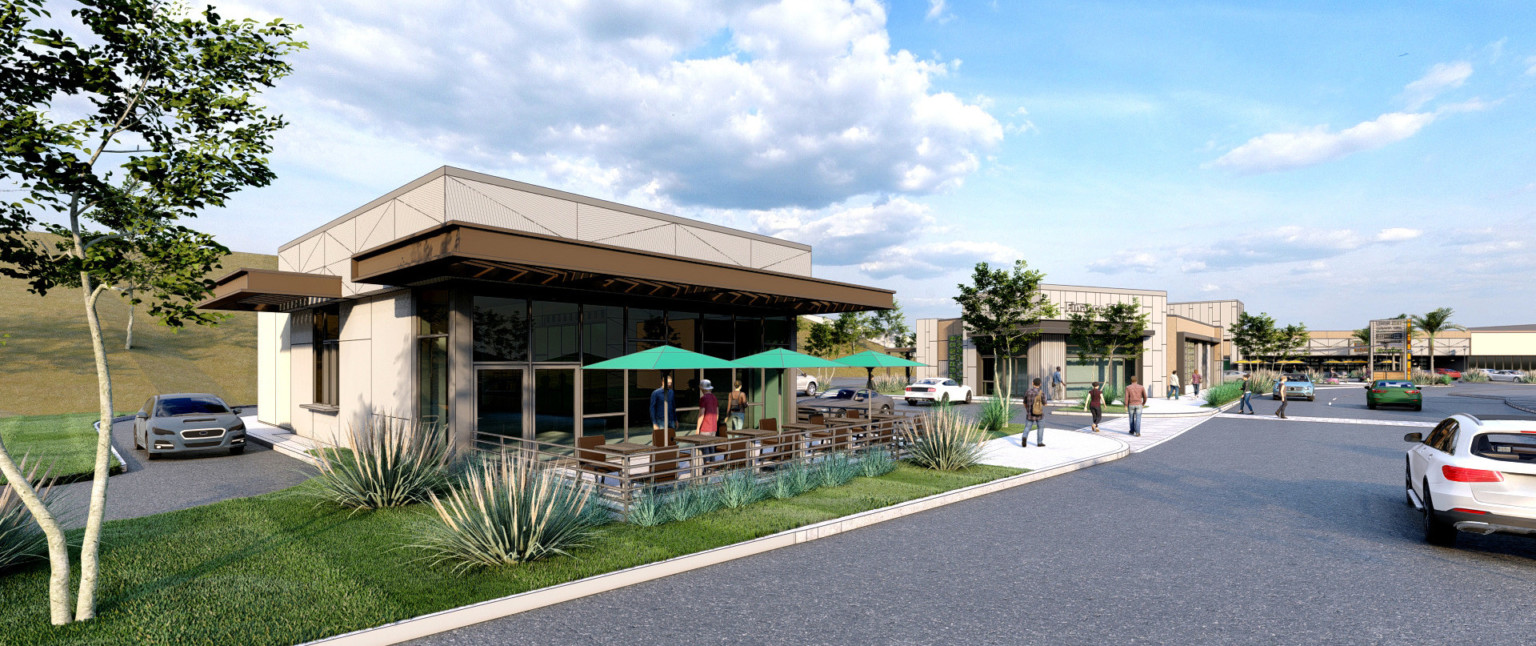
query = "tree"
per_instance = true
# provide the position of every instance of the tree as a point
(1363, 336)
(1253, 334)
(999, 308)
(174, 93)
(1433, 323)
(891, 325)
(1115, 330)
(1289, 339)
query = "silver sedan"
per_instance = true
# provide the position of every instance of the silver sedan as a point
(187, 422)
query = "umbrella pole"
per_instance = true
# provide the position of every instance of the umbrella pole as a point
(871, 386)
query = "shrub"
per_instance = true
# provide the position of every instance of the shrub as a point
(995, 414)
(1262, 381)
(740, 488)
(646, 510)
(784, 481)
(1112, 394)
(836, 470)
(890, 385)
(1474, 376)
(508, 509)
(1424, 377)
(391, 463)
(947, 441)
(876, 462)
(798, 478)
(1223, 393)
(1529, 377)
(21, 538)
(690, 500)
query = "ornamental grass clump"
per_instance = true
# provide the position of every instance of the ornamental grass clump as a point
(1425, 378)
(647, 510)
(890, 385)
(995, 414)
(793, 479)
(836, 470)
(509, 509)
(1262, 381)
(740, 488)
(21, 538)
(690, 500)
(1474, 376)
(391, 463)
(1223, 394)
(876, 462)
(1529, 377)
(945, 441)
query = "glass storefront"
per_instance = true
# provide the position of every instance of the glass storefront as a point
(1114, 372)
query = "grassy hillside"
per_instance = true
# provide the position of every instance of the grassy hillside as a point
(47, 364)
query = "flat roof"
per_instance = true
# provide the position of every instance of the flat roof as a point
(1107, 290)
(1528, 327)
(482, 252)
(269, 290)
(451, 171)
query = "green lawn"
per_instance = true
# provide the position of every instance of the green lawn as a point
(283, 568)
(67, 442)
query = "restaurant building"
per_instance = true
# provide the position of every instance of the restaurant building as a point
(475, 302)
(1171, 342)
(1505, 347)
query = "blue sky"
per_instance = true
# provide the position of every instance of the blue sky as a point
(1324, 162)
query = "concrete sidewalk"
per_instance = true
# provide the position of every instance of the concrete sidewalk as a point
(1061, 447)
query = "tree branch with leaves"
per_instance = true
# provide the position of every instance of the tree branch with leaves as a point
(1002, 310)
(171, 90)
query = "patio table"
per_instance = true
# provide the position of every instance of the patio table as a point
(700, 442)
(623, 451)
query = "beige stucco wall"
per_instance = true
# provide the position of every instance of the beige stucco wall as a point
(273, 366)
(1154, 303)
(1222, 314)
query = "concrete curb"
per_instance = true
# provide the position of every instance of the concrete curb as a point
(281, 446)
(446, 620)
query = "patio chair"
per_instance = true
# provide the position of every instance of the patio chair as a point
(594, 462)
(768, 424)
(664, 466)
(664, 436)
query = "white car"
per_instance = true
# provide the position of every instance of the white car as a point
(805, 383)
(936, 390)
(1474, 475)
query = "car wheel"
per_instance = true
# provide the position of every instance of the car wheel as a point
(136, 443)
(1436, 531)
(1371, 405)
(1408, 483)
(911, 402)
(1275, 397)
(810, 389)
(885, 410)
(236, 450)
(152, 455)
(944, 399)
(1419, 407)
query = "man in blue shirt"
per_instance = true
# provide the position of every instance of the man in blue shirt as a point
(663, 407)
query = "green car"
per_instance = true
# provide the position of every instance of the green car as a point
(1393, 393)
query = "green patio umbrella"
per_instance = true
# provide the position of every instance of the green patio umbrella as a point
(782, 359)
(666, 358)
(869, 360)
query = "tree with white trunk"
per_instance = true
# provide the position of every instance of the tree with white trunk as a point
(140, 116)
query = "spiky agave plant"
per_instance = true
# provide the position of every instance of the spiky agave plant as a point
(390, 463)
(508, 509)
(646, 510)
(21, 538)
(946, 441)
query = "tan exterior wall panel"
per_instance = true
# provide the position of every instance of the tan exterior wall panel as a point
(393, 354)
(1503, 343)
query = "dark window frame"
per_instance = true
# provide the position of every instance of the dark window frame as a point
(327, 350)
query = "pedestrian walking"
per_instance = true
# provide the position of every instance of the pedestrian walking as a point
(1247, 389)
(1058, 386)
(1034, 413)
(1096, 404)
(736, 404)
(1135, 399)
(1173, 385)
(1195, 380)
(1280, 412)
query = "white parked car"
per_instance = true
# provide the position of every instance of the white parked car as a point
(935, 390)
(1474, 475)
(805, 383)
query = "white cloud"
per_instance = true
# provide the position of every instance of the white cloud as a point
(1531, 63)
(749, 104)
(1397, 234)
(1441, 77)
(937, 11)
(1126, 261)
(931, 259)
(1287, 150)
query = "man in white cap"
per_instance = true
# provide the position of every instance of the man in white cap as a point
(709, 409)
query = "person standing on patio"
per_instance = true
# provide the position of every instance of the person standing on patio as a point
(663, 408)
(1034, 413)
(1135, 399)
(1247, 389)
(1058, 385)
(709, 409)
(1096, 404)
(1173, 385)
(736, 407)
(1194, 379)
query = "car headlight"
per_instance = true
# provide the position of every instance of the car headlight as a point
(239, 427)
(160, 431)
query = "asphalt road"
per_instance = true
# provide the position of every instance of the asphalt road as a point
(1239, 531)
(179, 482)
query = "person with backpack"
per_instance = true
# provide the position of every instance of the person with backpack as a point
(1034, 413)
(1096, 404)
